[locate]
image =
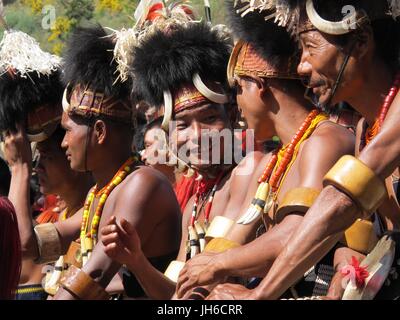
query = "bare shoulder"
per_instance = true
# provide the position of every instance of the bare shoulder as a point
(147, 188)
(146, 178)
(330, 138)
(322, 150)
(248, 165)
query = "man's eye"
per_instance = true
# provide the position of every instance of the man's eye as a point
(181, 126)
(211, 118)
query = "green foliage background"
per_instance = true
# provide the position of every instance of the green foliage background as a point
(26, 15)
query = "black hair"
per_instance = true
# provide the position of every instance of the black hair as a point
(272, 42)
(89, 61)
(5, 178)
(21, 95)
(168, 60)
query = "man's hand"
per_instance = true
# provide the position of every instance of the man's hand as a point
(201, 270)
(231, 292)
(122, 243)
(17, 150)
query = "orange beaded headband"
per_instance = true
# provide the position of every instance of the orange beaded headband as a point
(245, 61)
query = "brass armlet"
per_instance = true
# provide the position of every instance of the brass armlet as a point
(358, 181)
(219, 227)
(296, 200)
(82, 286)
(173, 270)
(48, 242)
(361, 236)
(218, 245)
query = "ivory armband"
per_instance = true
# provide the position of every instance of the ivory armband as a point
(358, 181)
(361, 236)
(48, 241)
(82, 286)
(296, 200)
(219, 227)
(173, 270)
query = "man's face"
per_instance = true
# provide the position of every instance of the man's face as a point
(321, 62)
(154, 152)
(53, 168)
(74, 142)
(253, 106)
(198, 136)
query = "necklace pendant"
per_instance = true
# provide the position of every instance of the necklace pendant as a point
(269, 202)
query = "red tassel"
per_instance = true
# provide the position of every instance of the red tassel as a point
(10, 250)
(360, 273)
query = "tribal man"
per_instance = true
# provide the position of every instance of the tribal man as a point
(30, 99)
(353, 59)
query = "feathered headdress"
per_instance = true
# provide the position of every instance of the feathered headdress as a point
(264, 49)
(93, 84)
(271, 41)
(150, 15)
(287, 13)
(168, 60)
(30, 86)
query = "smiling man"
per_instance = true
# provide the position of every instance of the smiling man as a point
(183, 73)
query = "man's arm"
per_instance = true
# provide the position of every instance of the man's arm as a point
(19, 156)
(332, 213)
(140, 202)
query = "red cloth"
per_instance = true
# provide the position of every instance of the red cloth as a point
(185, 188)
(48, 214)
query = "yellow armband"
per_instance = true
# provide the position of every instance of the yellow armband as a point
(358, 181)
(296, 200)
(218, 245)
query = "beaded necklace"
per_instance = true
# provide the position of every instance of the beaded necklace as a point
(277, 168)
(374, 130)
(202, 189)
(197, 231)
(89, 239)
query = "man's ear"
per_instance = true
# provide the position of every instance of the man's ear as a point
(100, 131)
(262, 86)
